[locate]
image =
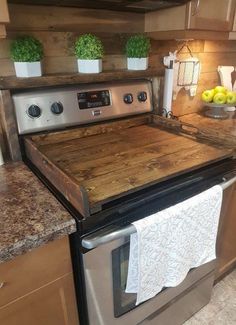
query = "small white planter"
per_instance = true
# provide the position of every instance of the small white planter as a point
(28, 69)
(89, 66)
(137, 63)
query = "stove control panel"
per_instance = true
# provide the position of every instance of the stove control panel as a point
(43, 110)
(93, 99)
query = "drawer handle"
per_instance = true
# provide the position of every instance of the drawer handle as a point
(2, 284)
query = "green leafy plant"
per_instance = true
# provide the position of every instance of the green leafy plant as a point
(137, 46)
(89, 47)
(26, 49)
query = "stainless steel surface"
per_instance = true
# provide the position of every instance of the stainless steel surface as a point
(99, 288)
(216, 112)
(112, 233)
(185, 305)
(228, 183)
(71, 114)
(107, 235)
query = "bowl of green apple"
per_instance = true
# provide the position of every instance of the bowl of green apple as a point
(218, 100)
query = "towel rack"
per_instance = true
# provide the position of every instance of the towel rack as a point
(114, 232)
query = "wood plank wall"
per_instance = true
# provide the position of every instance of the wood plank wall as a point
(211, 54)
(58, 27)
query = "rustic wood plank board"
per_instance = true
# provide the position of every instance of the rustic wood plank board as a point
(9, 127)
(116, 184)
(198, 131)
(226, 127)
(76, 78)
(106, 161)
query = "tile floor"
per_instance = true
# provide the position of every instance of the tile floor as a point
(222, 308)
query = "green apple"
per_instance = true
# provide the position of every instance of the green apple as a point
(219, 98)
(220, 89)
(207, 95)
(231, 97)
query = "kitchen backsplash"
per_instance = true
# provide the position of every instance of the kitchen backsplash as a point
(58, 27)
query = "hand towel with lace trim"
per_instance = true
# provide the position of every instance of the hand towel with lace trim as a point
(171, 242)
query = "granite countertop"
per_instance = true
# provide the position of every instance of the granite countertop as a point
(30, 215)
(227, 126)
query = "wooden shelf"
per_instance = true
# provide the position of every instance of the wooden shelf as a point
(77, 78)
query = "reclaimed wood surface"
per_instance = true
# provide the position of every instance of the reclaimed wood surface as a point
(111, 162)
(9, 127)
(215, 135)
(223, 127)
(78, 78)
(28, 17)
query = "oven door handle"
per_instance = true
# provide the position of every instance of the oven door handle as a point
(228, 182)
(111, 233)
(107, 235)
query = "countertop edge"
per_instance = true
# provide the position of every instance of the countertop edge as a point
(31, 242)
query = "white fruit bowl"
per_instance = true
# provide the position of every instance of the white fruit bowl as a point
(217, 110)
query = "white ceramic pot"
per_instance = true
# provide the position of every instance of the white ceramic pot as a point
(28, 69)
(89, 66)
(137, 63)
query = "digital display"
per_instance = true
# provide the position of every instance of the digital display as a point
(93, 99)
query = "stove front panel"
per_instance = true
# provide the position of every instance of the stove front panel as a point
(62, 107)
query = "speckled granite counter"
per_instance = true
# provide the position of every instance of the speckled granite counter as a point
(227, 126)
(29, 214)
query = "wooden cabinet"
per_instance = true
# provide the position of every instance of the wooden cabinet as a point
(232, 34)
(4, 17)
(53, 304)
(2, 31)
(193, 20)
(226, 241)
(214, 15)
(37, 287)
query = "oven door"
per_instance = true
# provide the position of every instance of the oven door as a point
(106, 269)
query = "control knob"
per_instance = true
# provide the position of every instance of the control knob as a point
(142, 96)
(57, 108)
(128, 98)
(34, 111)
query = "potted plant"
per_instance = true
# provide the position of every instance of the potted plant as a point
(89, 52)
(137, 50)
(27, 52)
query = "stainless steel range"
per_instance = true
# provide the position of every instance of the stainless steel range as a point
(98, 149)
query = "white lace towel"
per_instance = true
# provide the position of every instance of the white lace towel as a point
(171, 242)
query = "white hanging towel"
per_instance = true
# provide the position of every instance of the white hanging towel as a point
(171, 242)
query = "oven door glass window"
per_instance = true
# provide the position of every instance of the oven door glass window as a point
(123, 302)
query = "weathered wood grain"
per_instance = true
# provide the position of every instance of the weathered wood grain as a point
(66, 184)
(86, 131)
(52, 18)
(9, 126)
(226, 127)
(185, 104)
(212, 135)
(105, 187)
(108, 161)
(79, 78)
